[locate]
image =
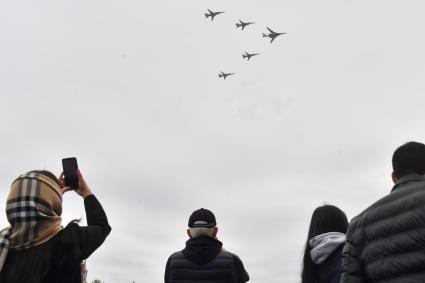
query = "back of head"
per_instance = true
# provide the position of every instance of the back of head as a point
(409, 159)
(202, 223)
(34, 208)
(201, 231)
(325, 219)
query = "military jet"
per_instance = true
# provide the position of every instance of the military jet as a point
(224, 75)
(249, 55)
(212, 14)
(243, 25)
(272, 34)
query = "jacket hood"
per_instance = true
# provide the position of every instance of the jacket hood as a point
(322, 246)
(202, 249)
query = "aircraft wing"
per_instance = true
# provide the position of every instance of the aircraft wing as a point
(272, 39)
(270, 30)
(209, 11)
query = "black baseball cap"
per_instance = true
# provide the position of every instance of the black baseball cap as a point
(204, 215)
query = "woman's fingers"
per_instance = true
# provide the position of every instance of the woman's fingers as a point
(66, 189)
(61, 180)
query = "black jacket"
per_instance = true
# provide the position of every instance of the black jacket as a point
(203, 260)
(329, 271)
(58, 260)
(386, 242)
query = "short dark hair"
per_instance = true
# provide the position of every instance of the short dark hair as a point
(408, 159)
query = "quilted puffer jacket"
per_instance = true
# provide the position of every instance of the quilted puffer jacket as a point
(386, 242)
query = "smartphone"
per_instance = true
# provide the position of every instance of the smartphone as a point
(70, 167)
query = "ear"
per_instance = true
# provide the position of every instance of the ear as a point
(215, 231)
(188, 233)
(394, 177)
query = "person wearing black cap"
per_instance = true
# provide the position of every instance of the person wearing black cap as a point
(204, 259)
(385, 243)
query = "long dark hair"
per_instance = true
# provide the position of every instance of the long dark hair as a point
(326, 218)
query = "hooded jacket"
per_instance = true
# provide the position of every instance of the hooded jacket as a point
(326, 254)
(204, 260)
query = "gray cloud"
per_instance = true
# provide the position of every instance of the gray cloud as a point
(131, 89)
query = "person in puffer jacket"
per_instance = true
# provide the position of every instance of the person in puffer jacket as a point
(386, 242)
(325, 242)
(204, 260)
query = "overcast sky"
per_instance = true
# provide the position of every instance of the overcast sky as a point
(131, 89)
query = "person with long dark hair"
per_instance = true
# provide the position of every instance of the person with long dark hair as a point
(36, 248)
(325, 242)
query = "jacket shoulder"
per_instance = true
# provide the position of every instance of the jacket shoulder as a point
(226, 254)
(178, 254)
(407, 197)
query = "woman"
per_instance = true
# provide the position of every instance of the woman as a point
(36, 248)
(325, 241)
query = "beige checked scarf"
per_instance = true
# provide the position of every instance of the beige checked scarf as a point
(34, 208)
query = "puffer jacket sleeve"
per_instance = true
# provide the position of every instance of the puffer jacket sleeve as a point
(352, 271)
(167, 271)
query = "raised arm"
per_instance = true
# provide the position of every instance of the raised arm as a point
(90, 237)
(97, 229)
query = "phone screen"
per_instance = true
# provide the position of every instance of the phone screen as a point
(70, 172)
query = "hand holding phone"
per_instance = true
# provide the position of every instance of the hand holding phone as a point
(70, 168)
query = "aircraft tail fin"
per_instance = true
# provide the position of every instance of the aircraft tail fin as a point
(207, 15)
(265, 35)
(244, 56)
(238, 25)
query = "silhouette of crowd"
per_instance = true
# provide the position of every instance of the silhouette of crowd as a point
(384, 243)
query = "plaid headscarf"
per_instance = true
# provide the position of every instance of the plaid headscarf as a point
(34, 208)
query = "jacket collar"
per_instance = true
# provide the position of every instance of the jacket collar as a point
(408, 178)
(202, 249)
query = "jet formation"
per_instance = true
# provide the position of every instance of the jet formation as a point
(241, 24)
(212, 14)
